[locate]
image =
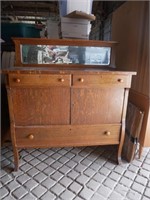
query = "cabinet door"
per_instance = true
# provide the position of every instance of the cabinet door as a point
(96, 105)
(41, 106)
(40, 99)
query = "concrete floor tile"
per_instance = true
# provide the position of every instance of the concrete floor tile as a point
(23, 178)
(86, 193)
(75, 187)
(57, 176)
(115, 196)
(147, 192)
(40, 177)
(92, 184)
(29, 196)
(73, 174)
(99, 177)
(48, 196)
(82, 179)
(89, 172)
(57, 189)
(39, 191)
(121, 189)
(67, 195)
(104, 191)
(145, 198)
(3, 192)
(126, 181)
(48, 183)
(84, 173)
(133, 195)
(19, 192)
(142, 180)
(64, 169)
(30, 184)
(97, 197)
(66, 181)
(13, 185)
(32, 172)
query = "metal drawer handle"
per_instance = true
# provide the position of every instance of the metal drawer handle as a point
(120, 80)
(81, 80)
(17, 80)
(107, 133)
(31, 137)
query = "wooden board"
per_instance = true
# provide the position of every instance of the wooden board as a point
(134, 121)
(81, 15)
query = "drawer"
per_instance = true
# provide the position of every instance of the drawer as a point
(67, 135)
(101, 80)
(39, 80)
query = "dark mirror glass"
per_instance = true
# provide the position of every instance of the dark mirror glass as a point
(50, 54)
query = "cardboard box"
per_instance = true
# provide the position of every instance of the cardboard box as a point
(76, 28)
(52, 29)
(74, 20)
(74, 35)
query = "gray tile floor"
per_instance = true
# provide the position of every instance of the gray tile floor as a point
(85, 173)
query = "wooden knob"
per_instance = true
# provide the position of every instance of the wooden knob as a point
(120, 80)
(81, 80)
(107, 133)
(31, 137)
(18, 80)
(62, 79)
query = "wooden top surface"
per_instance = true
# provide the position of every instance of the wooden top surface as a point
(63, 70)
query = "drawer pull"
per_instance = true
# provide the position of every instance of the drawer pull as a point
(61, 79)
(81, 80)
(31, 137)
(120, 80)
(17, 80)
(107, 133)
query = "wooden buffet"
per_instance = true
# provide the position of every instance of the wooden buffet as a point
(66, 100)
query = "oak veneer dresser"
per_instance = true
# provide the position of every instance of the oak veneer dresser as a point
(64, 93)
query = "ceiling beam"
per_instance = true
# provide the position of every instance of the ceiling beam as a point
(29, 8)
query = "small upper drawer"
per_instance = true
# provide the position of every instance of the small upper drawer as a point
(102, 80)
(39, 80)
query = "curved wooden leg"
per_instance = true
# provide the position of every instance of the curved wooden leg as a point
(15, 150)
(119, 161)
(121, 144)
(140, 150)
(16, 158)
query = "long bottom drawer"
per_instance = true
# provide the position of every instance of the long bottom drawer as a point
(67, 135)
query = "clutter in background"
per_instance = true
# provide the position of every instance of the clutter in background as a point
(52, 29)
(73, 21)
(18, 29)
(75, 18)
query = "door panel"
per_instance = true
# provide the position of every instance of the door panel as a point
(41, 106)
(96, 105)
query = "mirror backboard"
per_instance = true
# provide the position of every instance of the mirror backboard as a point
(39, 52)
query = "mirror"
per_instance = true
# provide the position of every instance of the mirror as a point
(61, 54)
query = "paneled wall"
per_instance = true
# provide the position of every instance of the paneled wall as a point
(130, 27)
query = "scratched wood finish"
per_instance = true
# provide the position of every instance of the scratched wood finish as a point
(96, 105)
(66, 135)
(41, 106)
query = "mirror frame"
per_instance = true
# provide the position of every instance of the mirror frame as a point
(67, 42)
